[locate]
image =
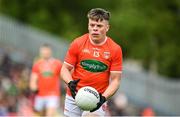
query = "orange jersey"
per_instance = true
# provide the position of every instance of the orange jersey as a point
(93, 63)
(48, 72)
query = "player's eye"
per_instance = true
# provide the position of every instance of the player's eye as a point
(99, 26)
(92, 25)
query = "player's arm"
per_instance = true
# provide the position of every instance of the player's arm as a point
(66, 76)
(68, 65)
(66, 73)
(111, 89)
(69, 62)
(113, 86)
(115, 73)
(33, 82)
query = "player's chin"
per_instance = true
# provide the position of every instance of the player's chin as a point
(95, 38)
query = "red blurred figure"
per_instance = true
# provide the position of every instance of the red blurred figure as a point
(45, 83)
(148, 111)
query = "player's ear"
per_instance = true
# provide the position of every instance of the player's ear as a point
(107, 28)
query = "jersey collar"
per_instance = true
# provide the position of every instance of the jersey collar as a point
(48, 60)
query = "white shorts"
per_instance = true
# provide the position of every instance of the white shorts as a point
(44, 102)
(72, 110)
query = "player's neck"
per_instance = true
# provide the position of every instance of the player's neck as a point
(98, 43)
(47, 59)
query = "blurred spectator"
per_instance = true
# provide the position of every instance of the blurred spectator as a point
(6, 64)
(14, 79)
(3, 104)
(118, 105)
(16, 71)
(23, 81)
(24, 105)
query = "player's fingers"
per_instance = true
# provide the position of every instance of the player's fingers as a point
(73, 94)
(76, 81)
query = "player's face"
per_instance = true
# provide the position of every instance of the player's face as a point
(98, 30)
(45, 52)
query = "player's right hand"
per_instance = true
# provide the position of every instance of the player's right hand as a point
(72, 86)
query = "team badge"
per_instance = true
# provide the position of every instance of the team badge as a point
(106, 55)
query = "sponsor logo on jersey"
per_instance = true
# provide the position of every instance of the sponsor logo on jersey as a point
(93, 66)
(47, 74)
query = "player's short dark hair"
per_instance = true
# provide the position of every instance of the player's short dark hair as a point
(46, 45)
(98, 14)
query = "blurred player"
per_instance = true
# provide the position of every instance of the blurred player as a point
(96, 60)
(45, 81)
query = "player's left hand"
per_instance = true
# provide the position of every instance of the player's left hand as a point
(100, 103)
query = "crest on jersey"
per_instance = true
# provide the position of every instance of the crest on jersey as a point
(106, 55)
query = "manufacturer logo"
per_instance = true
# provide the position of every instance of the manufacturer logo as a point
(93, 65)
(86, 50)
(93, 92)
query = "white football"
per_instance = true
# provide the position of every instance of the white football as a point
(87, 98)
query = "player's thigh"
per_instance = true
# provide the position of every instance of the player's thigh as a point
(71, 109)
(39, 103)
(52, 102)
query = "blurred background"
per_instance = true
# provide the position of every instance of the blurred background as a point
(147, 31)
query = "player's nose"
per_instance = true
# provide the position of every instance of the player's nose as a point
(95, 28)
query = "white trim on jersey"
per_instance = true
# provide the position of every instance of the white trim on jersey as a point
(116, 71)
(69, 64)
